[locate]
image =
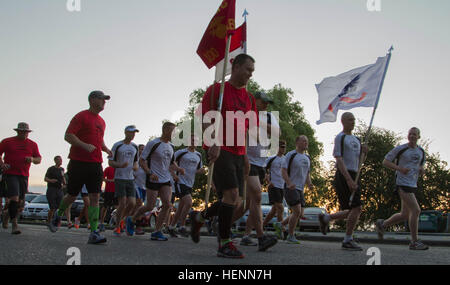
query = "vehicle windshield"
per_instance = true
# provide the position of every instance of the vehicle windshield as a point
(41, 199)
(30, 197)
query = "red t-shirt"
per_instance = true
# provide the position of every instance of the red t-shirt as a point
(108, 173)
(15, 151)
(234, 100)
(89, 128)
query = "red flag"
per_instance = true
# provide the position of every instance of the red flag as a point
(212, 46)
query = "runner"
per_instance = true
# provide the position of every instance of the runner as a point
(109, 201)
(229, 161)
(125, 161)
(257, 156)
(19, 152)
(157, 160)
(296, 173)
(85, 135)
(139, 182)
(275, 180)
(55, 181)
(191, 161)
(347, 151)
(409, 160)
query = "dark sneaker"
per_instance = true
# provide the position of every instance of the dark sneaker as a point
(195, 226)
(266, 242)
(418, 245)
(172, 232)
(229, 251)
(183, 232)
(379, 228)
(55, 223)
(247, 241)
(351, 245)
(323, 224)
(96, 238)
(158, 236)
(129, 226)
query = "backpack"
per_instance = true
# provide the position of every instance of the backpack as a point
(397, 157)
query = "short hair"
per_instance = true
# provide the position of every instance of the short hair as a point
(282, 142)
(346, 114)
(167, 125)
(240, 59)
(58, 156)
(415, 128)
(299, 137)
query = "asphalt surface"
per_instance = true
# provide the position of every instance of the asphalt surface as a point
(37, 246)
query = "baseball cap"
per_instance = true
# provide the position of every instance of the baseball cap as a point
(22, 126)
(131, 128)
(263, 96)
(98, 94)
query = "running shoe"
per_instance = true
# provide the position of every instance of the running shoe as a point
(379, 228)
(158, 236)
(229, 251)
(183, 232)
(69, 226)
(15, 229)
(323, 224)
(172, 232)
(77, 223)
(278, 230)
(292, 239)
(129, 226)
(55, 223)
(101, 228)
(247, 241)
(96, 238)
(351, 245)
(266, 242)
(117, 232)
(139, 231)
(418, 245)
(195, 226)
(122, 225)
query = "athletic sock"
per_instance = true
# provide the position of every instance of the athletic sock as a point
(12, 209)
(212, 211)
(225, 220)
(62, 208)
(348, 238)
(93, 213)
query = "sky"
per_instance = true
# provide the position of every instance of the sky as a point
(143, 54)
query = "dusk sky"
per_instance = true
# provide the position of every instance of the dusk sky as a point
(143, 54)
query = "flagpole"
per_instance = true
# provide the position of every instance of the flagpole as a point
(219, 109)
(244, 190)
(366, 137)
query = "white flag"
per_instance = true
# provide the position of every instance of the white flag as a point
(358, 87)
(219, 66)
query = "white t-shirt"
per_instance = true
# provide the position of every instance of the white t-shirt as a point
(124, 153)
(411, 158)
(275, 170)
(190, 162)
(160, 159)
(139, 178)
(299, 170)
(351, 149)
(257, 155)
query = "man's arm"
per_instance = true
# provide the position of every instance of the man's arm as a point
(73, 140)
(285, 175)
(106, 149)
(393, 166)
(341, 167)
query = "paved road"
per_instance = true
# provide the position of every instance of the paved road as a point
(36, 245)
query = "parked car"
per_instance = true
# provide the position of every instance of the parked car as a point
(37, 209)
(30, 196)
(265, 207)
(310, 219)
(431, 221)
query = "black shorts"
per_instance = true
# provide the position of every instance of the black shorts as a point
(3, 186)
(228, 173)
(54, 197)
(258, 171)
(406, 189)
(276, 195)
(109, 199)
(156, 186)
(182, 190)
(294, 197)
(343, 192)
(84, 173)
(16, 185)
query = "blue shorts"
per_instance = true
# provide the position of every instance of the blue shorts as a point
(141, 193)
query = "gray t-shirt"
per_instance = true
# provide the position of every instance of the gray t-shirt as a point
(351, 148)
(124, 153)
(276, 164)
(139, 178)
(190, 162)
(299, 169)
(411, 158)
(160, 160)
